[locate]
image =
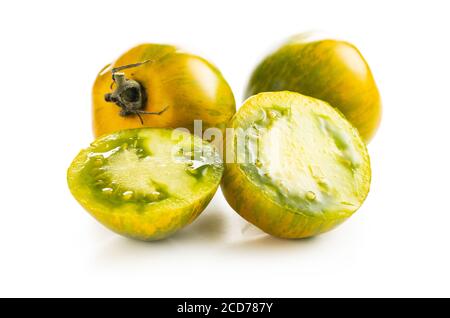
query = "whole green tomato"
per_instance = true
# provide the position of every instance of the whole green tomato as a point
(331, 70)
(156, 85)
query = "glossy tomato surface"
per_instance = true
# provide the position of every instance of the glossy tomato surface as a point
(187, 87)
(331, 70)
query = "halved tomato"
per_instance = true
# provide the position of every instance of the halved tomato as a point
(146, 183)
(295, 167)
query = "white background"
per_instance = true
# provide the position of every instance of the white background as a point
(397, 244)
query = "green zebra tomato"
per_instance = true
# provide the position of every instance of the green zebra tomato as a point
(330, 70)
(295, 166)
(146, 183)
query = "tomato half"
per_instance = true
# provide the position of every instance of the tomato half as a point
(160, 86)
(146, 183)
(301, 169)
(331, 70)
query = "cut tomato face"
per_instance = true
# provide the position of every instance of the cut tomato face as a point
(146, 183)
(295, 166)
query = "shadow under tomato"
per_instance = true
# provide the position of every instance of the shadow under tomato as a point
(210, 225)
(208, 228)
(214, 231)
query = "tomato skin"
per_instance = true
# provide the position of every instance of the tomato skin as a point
(189, 86)
(144, 227)
(330, 70)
